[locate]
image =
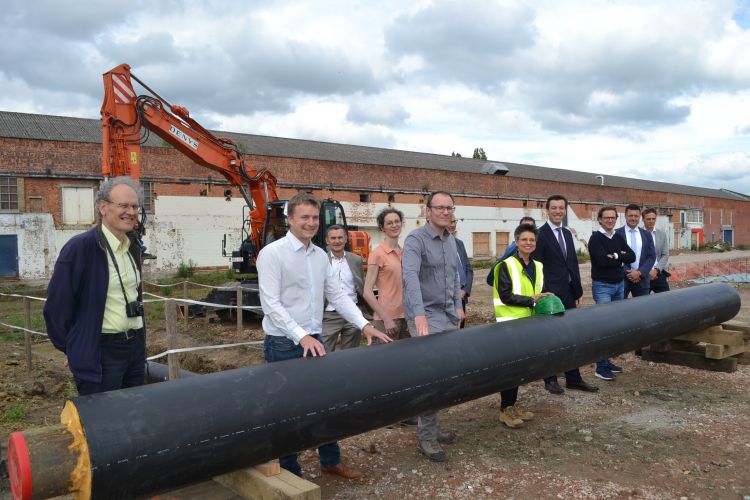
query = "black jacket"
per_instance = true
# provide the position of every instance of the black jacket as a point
(604, 268)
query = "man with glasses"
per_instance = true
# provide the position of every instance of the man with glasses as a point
(609, 254)
(432, 297)
(94, 312)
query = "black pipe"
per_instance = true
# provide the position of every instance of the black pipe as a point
(152, 438)
(158, 372)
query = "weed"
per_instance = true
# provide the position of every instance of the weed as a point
(166, 291)
(70, 389)
(186, 270)
(15, 412)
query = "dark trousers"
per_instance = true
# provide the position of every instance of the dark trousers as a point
(660, 283)
(635, 289)
(508, 397)
(123, 364)
(567, 297)
(277, 348)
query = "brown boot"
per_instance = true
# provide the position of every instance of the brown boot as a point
(507, 417)
(523, 414)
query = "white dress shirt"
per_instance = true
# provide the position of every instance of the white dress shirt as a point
(638, 241)
(293, 281)
(340, 269)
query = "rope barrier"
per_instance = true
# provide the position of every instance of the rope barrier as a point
(43, 299)
(254, 343)
(160, 285)
(200, 303)
(24, 329)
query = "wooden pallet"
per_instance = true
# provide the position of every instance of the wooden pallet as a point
(719, 348)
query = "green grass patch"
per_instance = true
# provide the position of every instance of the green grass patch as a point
(15, 412)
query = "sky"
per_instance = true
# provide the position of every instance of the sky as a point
(658, 90)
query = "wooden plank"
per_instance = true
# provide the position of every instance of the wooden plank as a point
(743, 359)
(738, 325)
(661, 346)
(691, 359)
(173, 360)
(271, 468)
(26, 334)
(251, 483)
(722, 337)
(717, 351)
(207, 490)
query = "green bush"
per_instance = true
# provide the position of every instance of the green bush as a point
(186, 270)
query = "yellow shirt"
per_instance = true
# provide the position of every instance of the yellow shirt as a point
(115, 318)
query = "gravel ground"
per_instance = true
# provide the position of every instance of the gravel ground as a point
(658, 431)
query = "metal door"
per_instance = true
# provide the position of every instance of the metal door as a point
(727, 235)
(8, 255)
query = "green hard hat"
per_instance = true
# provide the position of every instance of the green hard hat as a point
(549, 304)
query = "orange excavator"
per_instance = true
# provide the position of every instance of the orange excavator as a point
(127, 118)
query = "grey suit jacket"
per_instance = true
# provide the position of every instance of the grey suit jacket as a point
(662, 249)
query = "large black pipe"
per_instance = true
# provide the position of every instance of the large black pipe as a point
(148, 439)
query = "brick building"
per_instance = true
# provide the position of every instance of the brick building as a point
(50, 169)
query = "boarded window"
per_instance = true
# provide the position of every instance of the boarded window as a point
(77, 205)
(8, 193)
(501, 242)
(481, 244)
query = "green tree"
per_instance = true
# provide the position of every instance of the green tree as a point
(453, 153)
(479, 154)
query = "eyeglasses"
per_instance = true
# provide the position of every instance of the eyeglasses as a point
(125, 206)
(609, 218)
(443, 209)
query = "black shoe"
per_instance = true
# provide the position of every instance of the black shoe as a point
(554, 387)
(582, 386)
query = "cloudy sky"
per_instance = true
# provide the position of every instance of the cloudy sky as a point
(650, 89)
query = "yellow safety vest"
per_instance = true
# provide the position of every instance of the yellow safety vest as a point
(521, 286)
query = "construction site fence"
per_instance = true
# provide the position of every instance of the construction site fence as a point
(171, 308)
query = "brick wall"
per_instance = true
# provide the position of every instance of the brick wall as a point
(71, 163)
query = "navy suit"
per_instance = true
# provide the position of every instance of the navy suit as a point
(561, 276)
(644, 265)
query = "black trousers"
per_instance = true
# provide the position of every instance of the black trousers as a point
(123, 364)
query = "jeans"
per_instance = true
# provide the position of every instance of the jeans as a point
(605, 293)
(277, 348)
(123, 365)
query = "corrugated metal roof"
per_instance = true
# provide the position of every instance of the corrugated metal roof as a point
(63, 128)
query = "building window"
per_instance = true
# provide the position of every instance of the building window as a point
(694, 216)
(9, 193)
(148, 196)
(77, 205)
(364, 197)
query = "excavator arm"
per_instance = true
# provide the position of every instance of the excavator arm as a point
(126, 120)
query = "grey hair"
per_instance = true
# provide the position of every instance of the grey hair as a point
(106, 189)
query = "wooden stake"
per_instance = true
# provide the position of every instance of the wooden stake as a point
(27, 335)
(239, 310)
(173, 359)
(185, 305)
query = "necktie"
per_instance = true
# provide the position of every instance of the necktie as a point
(633, 241)
(461, 271)
(560, 239)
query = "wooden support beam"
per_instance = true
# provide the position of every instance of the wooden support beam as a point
(717, 351)
(26, 334)
(691, 359)
(251, 483)
(711, 336)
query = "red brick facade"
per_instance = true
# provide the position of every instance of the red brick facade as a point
(48, 165)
